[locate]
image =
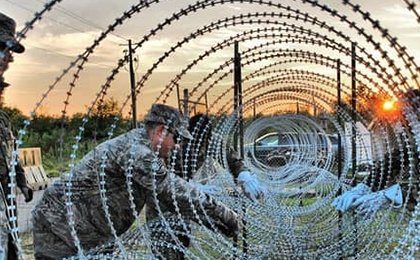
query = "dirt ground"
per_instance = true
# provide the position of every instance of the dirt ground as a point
(27, 245)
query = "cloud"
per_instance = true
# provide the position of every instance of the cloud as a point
(236, 8)
(399, 17)
(70, 44)
(61, 49)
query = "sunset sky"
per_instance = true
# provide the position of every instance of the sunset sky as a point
(72, 25)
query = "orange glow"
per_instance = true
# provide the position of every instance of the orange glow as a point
(388, 105)
(388, 109)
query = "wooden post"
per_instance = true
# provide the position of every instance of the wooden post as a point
(133, 87)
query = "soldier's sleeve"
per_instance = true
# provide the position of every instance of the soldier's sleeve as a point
(5, 137)
(235, 162)
(148, 169)
(20, 176)
(171, 190)
(20, 172)
(195, 205)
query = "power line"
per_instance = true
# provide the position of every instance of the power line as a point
(21, 6)
(80, 19)
(48, 50)
(65, 55)
(56, 21)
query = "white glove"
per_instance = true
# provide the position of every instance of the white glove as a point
(394, 194)
(251, 186)
(209, 189)
(368, 205)
(345, 200)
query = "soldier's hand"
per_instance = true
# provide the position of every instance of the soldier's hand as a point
(209, 189)
(251, 186)
(27, 193)
(344, 201)
(369, 204)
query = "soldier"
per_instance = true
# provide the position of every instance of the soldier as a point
(196, 153)
(8, 44)
(141, 151)
(394, 178)
(200, 124)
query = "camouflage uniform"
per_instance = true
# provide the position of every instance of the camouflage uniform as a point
(396, 168)
(8, 44)
(235, 164)
(7, 143)
(52, 238)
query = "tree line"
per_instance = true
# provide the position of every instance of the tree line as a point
(56, 135)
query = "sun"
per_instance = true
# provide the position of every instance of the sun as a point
(388, 105)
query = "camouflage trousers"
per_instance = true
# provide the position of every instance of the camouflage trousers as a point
(7, 247)
(47, 245)
(4, 231)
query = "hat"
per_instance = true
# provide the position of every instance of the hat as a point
(167, 115)
(7, 34)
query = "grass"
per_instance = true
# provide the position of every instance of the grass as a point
(368, 232)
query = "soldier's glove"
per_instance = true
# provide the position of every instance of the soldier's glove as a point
(368, 205)
(27, 193)
(209, 189)
(251, 186)
(345, 200)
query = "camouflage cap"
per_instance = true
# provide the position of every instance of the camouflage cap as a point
(7, 34)
(167, 115)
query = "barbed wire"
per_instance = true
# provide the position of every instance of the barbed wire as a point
(289, 59)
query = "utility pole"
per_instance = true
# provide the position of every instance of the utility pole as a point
(178, 97)
(353, 110)
(238, 99)
(353, 135)
(207, 103)
(254, 109)
(339, 155)
(186, 101)
(239, 135)
(133, 87)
